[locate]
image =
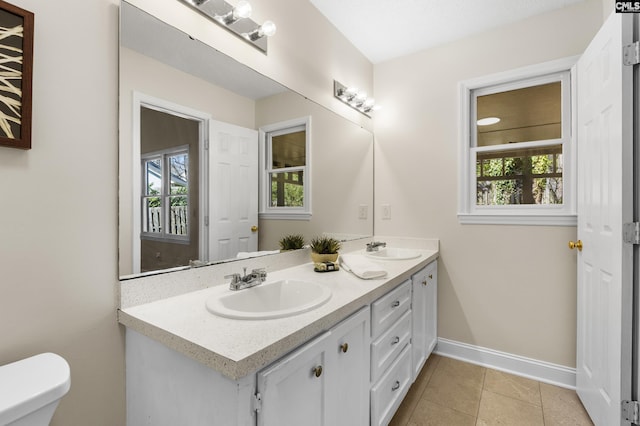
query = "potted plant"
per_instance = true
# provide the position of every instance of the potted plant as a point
(324, 249)
(291, 242)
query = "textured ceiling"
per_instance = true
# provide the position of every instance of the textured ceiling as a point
(385, 29)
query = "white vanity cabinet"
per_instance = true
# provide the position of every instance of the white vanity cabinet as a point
(390, 353)
(325, 382)
(424, 309)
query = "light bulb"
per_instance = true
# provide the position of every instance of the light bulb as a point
(242, 10)
(268, 28)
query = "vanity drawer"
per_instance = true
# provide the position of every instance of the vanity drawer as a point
(385, 349)
(386, 310)
(388, 393)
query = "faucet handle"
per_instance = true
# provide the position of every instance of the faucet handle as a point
(260, 273)
(235, 278)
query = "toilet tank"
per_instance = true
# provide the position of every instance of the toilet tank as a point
(31, 389)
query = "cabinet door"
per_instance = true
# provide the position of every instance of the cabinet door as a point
(425, 315)
(348, 371)
(294, 389)
(431, 329)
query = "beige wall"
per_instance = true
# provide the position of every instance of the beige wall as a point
(508, 288)
(58, 226)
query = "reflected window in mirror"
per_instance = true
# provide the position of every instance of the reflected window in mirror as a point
(166, 194)
(286, 189)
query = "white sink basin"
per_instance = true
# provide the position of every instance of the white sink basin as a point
(391, 253)
(275, 299)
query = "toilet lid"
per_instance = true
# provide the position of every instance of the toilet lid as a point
(32, 383)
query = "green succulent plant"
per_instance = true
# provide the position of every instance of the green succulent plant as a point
(292, 242)
(324, 245)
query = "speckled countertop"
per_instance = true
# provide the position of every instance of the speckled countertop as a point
(237, 348)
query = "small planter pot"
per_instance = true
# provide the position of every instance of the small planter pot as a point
(319, 258)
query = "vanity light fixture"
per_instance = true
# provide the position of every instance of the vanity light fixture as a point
(355, 98)
(236, 19)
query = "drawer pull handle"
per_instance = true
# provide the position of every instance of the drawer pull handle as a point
(395, 340)
(395, 386)
(395, 304)
(344, 347)
(317, 371)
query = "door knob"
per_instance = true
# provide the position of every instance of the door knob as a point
(254, 228)
(576, 245)
(344, 347)
(317, 371)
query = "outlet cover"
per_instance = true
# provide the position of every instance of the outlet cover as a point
(386, 211)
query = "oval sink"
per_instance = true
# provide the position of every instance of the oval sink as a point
(392, 253)
(275, 299)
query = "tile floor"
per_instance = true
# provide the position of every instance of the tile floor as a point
(454, 393)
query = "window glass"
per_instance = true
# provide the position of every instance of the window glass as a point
(166, 198)
(520, 176)
(528, 114)
(288, 150)
(287, 189)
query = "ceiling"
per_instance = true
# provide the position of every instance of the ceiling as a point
(386, 29)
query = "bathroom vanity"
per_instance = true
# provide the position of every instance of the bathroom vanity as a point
(349, 361)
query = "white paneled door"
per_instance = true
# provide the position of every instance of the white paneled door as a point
(604, 132)
(233, 182)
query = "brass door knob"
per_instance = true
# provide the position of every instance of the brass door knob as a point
(575, 245)
(317, 371)
(254, 228)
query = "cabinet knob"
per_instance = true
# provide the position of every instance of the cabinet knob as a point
(395, 340)
(344, 347)
(395, 386)
(395, 304)
(430, 276)
(576, 245)
(317, 371)
(424, 282)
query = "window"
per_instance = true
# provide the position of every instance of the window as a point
(516, 157)
(286, 187)
(165, 198)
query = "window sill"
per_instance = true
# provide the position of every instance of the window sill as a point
(521, 219)
(285, 216)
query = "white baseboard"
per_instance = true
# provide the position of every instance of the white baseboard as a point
(520, 366)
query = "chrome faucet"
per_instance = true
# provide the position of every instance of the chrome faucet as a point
(256, 277)
(375, 245)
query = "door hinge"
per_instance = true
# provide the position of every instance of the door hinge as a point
(206, 143)
(631, 53)
(206, 221)
(631, 233)
(631, 411)
(257, 402)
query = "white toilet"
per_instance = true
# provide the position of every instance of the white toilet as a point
(30, 389)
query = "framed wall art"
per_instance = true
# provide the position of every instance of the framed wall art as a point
(16, 70)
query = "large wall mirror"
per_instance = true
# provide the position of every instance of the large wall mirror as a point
(206, 143)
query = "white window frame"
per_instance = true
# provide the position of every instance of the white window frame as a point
(561, 215)
(163, 156)
(287, 213)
